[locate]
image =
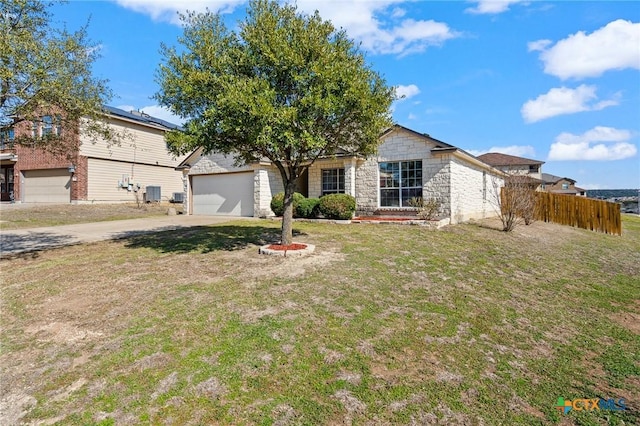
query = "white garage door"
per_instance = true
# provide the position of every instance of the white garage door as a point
(229, 194)
(47, 186)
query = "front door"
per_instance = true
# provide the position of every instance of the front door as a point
(6, 183)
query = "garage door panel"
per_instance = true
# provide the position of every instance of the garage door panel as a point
(223, 194)
(47, 186)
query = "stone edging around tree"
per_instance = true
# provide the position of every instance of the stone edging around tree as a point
(307, 250)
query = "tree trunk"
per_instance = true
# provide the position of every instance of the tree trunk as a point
(287, 216)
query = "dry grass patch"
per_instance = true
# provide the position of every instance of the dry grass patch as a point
(383, 325)
(17, 216)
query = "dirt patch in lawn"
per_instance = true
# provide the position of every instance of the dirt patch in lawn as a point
(629, 320)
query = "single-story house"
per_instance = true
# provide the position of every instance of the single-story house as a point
(408, 164)
(96, 171)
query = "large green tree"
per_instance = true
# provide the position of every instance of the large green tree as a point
(46, 71)
(286, 87)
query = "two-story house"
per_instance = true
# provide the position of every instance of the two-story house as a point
(561, 185)
(91, 170)
(514, 165)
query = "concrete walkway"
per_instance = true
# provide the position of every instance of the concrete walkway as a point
(13, 242)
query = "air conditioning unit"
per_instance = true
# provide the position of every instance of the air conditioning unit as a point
(152, 194)
(177, 197)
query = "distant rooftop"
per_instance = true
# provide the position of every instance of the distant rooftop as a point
(498, 159)
(140, 117)
(549, 178)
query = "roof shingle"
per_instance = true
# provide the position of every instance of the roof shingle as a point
(499, 159)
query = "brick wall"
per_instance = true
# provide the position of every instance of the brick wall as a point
(30, 158)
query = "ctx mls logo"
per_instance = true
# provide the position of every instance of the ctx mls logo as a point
(589, 404)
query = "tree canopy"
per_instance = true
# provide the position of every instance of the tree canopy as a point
(286, 87)
(46, 71)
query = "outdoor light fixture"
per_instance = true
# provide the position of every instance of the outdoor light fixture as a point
(71, 169)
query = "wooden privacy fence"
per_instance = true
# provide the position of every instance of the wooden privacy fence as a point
(581, 212)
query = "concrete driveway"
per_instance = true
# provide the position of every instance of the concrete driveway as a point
(13, 242)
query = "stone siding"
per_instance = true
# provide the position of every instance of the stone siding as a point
(366, 186)
(469, 191)
(217, 163)
(267, 182)
(315, 174)
(436, 178)
(397, 146)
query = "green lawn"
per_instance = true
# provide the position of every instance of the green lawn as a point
(385, 324)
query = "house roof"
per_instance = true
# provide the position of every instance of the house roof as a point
(549, 178)
(140, 117)
(499, 159)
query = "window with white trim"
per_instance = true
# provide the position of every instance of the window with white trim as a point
(332, 181)
(400, 181)
(47, 125)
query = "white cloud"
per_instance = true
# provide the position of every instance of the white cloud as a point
(517, 150)
(406, 92)
(564, 100)
(398, 13)
(491, 6)
(598, 144)
(379, 25)
(412, 116)
(612, 47)
(166, 10)
(538, 46)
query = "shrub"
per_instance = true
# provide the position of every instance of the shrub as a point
(427, 210)
(307, 208)
(337, 206)
(277, 203)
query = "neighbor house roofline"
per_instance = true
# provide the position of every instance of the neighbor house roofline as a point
(463, 155)
(549, 178)
(499, 159)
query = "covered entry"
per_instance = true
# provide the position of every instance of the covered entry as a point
(227, 194)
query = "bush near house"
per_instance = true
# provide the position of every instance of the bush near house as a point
(307, 208)
(337, 206)
(427, 209)
(277, 203)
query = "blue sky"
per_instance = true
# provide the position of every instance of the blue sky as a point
(554, 81)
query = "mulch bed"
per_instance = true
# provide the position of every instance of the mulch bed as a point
(294, 246)
(386, 219)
